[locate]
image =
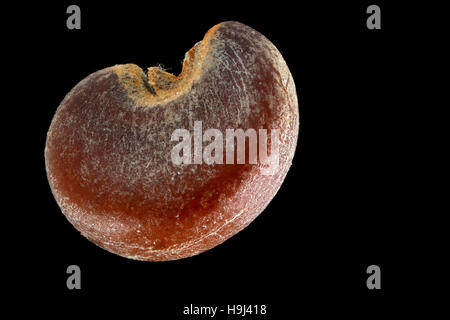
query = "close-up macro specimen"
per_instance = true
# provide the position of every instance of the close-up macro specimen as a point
(109, 145)
(215, 160)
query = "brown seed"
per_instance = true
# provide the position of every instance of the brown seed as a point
(108, 149)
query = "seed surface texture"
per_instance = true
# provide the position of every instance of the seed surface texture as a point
(108, 153)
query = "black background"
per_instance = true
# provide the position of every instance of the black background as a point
(344, 205)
